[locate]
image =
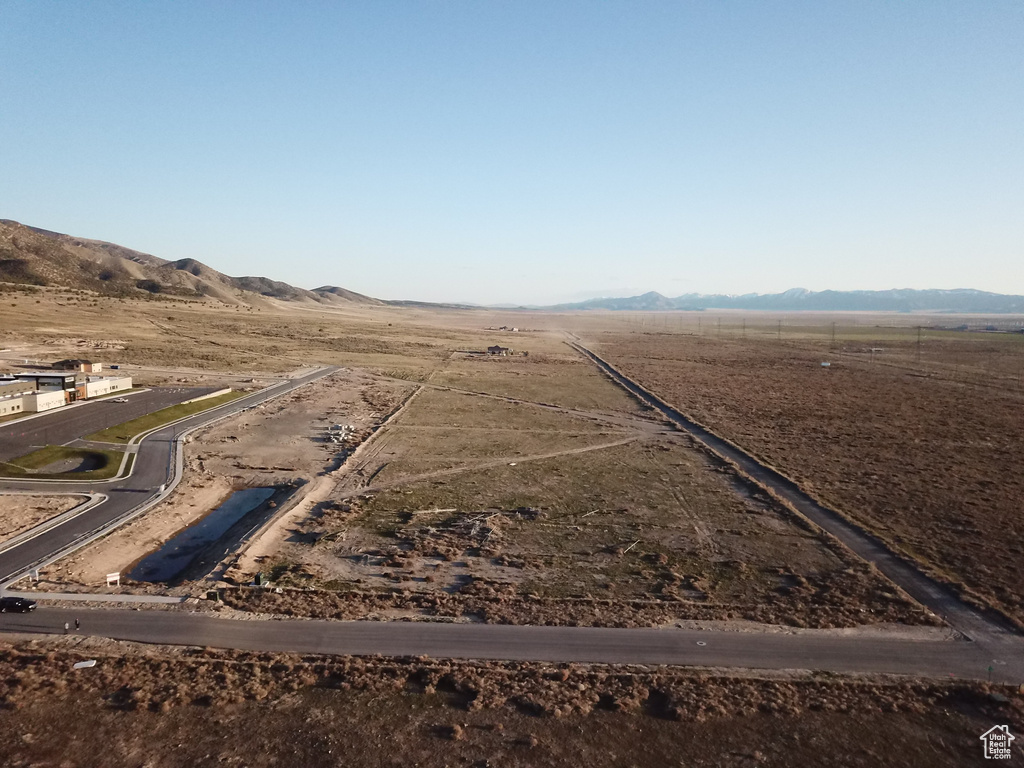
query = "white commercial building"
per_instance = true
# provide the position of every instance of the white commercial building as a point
(12, 405)
(44, 400)
(104, 385)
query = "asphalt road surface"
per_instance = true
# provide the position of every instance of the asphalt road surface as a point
(70, 423)
(751, 650)
(153, 467)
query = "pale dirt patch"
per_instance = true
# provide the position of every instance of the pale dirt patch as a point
(273, 537)
(279, 442)
(21, 512)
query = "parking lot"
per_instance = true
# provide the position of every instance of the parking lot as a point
(72, 422)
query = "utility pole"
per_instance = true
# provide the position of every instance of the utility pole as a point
(919, 344)
(780, 330)
(833, 334)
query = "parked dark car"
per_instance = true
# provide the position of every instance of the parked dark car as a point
(16, 605)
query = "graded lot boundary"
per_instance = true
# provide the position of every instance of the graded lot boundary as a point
(940, 599)
(261, 540)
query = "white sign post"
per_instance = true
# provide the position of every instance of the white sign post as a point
(114, 579)
(34, 573)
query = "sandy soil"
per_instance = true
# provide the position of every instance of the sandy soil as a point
(391, 403)
(282, 441)
(20, 512)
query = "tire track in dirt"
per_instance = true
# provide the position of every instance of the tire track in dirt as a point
(504, 461)
(622, 420)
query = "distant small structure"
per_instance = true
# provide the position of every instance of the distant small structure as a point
(502, 351)
(82, 366)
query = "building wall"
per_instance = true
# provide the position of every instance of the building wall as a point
(12, 405)
(44, 401)
(104, 386)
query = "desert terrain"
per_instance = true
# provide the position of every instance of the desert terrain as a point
(919, 445)
(531, 489)
(197, 707)
(277, 444)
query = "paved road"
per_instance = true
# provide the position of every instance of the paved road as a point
(153, 467)
(926, 658)
(67, 424)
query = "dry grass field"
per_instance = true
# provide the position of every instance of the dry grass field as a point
(476, 507)
(170, 707)
(530, 489)
(552, 373)
(216, 337)
(914, 437)
(924, 452)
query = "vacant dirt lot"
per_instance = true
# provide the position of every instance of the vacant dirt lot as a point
(469, 506)
(20, 512)
(552, 373)
(188, 707)
(922, 457)
(282, 441)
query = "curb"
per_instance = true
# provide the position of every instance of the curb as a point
(53, 522)
(168, 489)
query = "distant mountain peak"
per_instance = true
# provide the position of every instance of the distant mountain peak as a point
(958, 300)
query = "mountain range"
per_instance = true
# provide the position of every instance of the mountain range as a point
(34, 256)
(959, 300)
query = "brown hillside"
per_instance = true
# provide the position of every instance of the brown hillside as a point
(34, 256)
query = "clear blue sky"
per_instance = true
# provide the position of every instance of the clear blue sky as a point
(528, 151)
